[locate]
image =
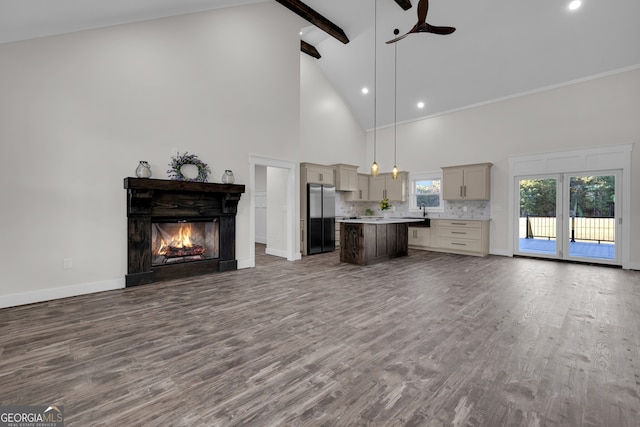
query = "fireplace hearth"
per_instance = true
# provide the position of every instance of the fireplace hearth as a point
(179, 229)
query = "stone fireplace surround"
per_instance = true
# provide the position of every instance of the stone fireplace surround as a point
(157, 200)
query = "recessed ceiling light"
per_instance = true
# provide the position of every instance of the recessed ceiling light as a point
(365, 90)
(575, 4)
(420, 104)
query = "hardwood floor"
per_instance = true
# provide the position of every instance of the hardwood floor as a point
(431, 339)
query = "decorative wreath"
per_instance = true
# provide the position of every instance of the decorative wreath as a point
(178, 161)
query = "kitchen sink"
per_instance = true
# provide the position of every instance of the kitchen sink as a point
(426, 222)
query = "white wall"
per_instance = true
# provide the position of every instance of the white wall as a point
(261, 178)
(80, 110)
(594, 113)
(329, 133)
(260, 195)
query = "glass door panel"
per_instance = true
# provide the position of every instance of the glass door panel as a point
(592, 217)
(569, 216)
(538, 225)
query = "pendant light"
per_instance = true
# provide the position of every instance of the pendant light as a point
(395, 171)
(374, 165)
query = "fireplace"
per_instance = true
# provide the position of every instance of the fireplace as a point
(184, 241)
(179, 229)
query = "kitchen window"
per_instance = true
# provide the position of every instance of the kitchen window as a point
(426, 190)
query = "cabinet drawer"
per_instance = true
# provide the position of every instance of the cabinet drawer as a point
(460, 223)
(460, 233)
(461, 245)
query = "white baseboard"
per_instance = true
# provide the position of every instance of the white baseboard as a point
(632, 266)
(500, 253)
(275, 252)
(242, 264)
(57, 293)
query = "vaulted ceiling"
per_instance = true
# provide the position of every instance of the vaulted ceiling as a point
(501, 48)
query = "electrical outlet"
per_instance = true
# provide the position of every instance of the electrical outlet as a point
(464, 209)
(67, 263)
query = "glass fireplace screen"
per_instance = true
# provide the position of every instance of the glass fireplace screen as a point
(184, 241)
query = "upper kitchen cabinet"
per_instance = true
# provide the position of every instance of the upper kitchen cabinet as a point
(467, 182)
(346, 177)
(311, 173)
(384, 185)
(362, 193)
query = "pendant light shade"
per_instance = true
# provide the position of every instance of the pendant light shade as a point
(374, 169)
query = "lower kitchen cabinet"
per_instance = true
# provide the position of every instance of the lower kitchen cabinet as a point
(419, 237)
(467, 237)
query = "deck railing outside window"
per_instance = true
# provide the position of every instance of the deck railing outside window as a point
(585, 229)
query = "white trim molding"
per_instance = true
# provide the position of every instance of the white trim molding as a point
(608, 157)
(32, 297)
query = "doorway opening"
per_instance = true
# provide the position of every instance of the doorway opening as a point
(570, 216)
(285, 212)
(587, 220)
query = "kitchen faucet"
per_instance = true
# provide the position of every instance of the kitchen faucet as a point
(424, 209)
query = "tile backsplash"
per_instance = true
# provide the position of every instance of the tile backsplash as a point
(452, 209)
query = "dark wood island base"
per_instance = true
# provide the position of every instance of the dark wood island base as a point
(365, 242)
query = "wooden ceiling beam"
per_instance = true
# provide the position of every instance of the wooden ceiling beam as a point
(309, 49)
(315, 18)
(404, 4)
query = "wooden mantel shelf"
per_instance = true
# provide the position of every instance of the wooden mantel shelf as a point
(171, 185)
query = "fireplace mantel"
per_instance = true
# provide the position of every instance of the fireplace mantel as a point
(155, 200)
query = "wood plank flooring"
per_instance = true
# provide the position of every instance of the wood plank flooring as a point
(431, 339)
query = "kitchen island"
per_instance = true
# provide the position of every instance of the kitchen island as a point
(365, 241)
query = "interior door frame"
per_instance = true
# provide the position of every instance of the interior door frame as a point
(292, 206)
(605, 158)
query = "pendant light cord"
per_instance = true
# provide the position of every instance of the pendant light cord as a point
(395, 103)
(375, 81)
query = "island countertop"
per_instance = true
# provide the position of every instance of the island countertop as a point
(379, 220)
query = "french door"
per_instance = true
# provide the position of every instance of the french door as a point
(570, 216)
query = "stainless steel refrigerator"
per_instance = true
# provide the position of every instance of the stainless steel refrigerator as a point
(321, 218)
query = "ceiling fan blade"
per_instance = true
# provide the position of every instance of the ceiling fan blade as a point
(439, 30)
(398, 38)
(423, 8)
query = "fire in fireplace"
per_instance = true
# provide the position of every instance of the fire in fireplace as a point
(184, 241)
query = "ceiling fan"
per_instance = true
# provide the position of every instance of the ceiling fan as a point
(422, 26)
